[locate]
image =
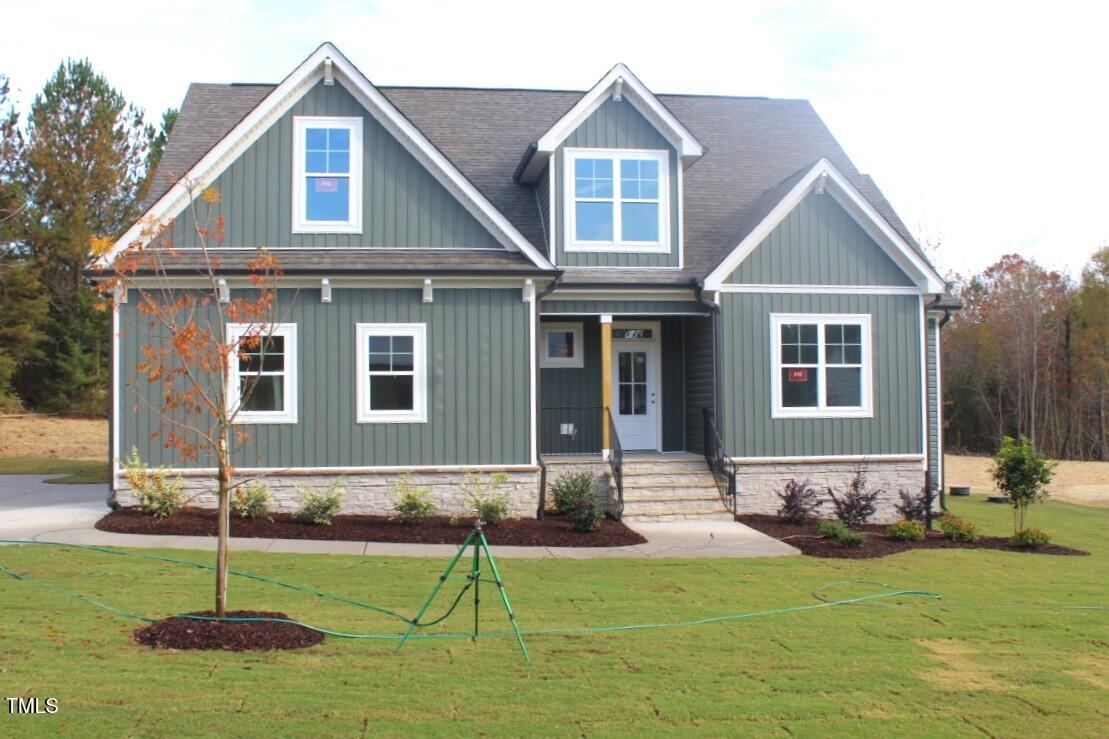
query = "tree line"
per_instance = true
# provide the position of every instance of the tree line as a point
(78, 166)
(1029, 355)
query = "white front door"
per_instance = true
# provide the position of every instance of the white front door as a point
(635, 380)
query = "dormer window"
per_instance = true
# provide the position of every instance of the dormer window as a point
(616, 200)
(327, 175)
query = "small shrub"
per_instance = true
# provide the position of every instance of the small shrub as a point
(158, 496)
(856, 505)
(799, 501)
(906, 530)
(575, 497)
(957, 529)
(413, 504)
(319, 508)
(251, 500)
(485, 499)
(918, 507)
(838, 530)
(571, 491)
(587, 517)
(1022, 474)
(1030, 538)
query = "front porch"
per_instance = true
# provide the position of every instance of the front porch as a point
(636, 382)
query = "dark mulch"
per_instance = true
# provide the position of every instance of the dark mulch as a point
(179, 632)
(877, 543)
(552, 531)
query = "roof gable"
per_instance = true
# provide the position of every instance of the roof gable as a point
(619, 84)
(328, 62)
(819, 243)
(823, 177)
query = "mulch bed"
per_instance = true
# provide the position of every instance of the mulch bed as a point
(877, 543)
(552, 531)
(179, 632)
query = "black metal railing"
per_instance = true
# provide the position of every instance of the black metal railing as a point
(722, 467)
(616, 463)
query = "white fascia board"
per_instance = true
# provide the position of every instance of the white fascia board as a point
(258, 121)
(926, 278)
(633, 90)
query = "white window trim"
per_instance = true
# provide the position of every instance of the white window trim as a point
(662, 246)
(575, 362)
(866, 410)
(235, 332)
(418, 332)
(301, 224)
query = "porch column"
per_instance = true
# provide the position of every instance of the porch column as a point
(606, 382)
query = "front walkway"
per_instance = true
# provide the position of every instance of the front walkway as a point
(33, 510)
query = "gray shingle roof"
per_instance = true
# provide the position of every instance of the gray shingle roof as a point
(753, 148)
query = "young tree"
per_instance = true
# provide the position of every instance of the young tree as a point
(1023, 475)
(190, 352)
(82, 169)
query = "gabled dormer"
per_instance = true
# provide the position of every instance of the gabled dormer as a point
(611, 171)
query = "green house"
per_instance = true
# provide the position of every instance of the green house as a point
(694, 298)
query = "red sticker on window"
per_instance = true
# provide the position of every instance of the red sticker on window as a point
(327, 184)
(799, 374)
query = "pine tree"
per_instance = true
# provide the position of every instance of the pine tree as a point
(84, 169)
(22, 304)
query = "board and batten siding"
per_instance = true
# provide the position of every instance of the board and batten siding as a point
(700, 375)
(615, 126)
(819, 243)
(935, 410)
(897, 423)
(403, 205)
(478, 374)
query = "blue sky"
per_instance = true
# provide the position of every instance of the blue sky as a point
(984, 123)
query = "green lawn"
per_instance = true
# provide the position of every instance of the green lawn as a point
(72, 471)
(991, 658)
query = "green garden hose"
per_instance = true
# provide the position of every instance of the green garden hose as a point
(824, 602)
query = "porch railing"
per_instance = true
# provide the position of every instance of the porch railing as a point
(722, 467)
(616, 463)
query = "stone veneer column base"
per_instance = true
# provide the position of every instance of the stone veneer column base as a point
(367, 492)
(759, 483)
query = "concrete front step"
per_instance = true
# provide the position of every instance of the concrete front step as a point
(671, 482)
(664, 516)
(695, 505)
(674, 467)
(668, 493)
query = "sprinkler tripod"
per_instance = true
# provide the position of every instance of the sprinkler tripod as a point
(480, 544)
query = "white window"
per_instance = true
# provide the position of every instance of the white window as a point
(617, 200)
(562, 345)
(820, 366)
(392, 372)
(263, 379)
(327, 175)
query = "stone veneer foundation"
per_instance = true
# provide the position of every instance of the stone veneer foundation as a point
(367, 492)
(759, 483)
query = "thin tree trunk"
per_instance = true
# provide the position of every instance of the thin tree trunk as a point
(224, 522)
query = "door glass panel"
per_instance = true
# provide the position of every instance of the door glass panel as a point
(632, 382)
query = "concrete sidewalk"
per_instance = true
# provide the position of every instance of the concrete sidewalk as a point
(32, 510)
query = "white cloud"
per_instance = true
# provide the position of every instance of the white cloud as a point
(980, 121)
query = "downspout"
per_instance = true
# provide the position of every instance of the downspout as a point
(538, 409)
(113, 504)
(928, 408)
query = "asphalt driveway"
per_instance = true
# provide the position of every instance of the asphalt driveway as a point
(30, 508)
